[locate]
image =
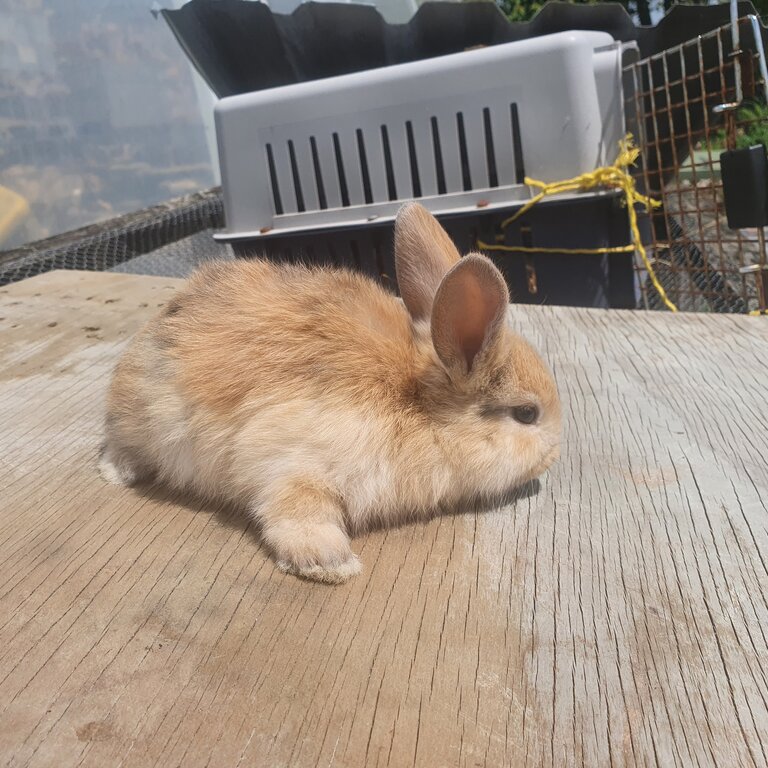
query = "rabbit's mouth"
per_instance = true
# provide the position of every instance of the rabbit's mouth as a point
(549, 459)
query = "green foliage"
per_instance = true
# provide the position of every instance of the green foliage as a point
(643, 10)
(752, 127)
(753, 121)
(761, 6)
(525, 10)
(520, 10)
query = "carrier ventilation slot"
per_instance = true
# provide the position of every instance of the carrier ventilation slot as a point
(273, 181)
(391, 187)
(321, 199)
(466, 176)
(343, 191)
(439, 167)
(517, 145)
(366, 176)
(296, 179)
(414, 163)
(490, 154)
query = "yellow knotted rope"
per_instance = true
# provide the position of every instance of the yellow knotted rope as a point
(613, 176)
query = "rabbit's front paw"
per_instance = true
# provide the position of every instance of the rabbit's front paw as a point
(312, 550)
(303, 526)
(336, 573)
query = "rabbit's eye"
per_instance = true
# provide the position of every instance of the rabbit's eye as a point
(525, 414)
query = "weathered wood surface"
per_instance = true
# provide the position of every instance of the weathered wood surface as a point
(618, 617)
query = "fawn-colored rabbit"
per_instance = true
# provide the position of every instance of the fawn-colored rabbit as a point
(325, 405)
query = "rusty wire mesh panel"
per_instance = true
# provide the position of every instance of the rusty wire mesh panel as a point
(671, 101)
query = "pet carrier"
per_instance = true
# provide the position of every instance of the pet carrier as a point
(317, 171)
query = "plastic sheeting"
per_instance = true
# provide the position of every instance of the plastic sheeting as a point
(240, 46)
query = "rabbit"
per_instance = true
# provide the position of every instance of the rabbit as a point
(324, 405)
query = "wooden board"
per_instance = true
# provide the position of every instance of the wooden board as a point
(618, 617)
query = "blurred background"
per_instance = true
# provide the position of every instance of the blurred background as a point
(100, 113)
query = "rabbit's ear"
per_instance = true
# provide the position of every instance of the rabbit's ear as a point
(469, 313)
(423, 255)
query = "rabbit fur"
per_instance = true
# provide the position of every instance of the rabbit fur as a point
(325, 406)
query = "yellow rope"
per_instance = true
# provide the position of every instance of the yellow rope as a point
(614, 176)
(572, 251)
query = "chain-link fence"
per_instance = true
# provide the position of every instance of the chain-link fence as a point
(169, 239)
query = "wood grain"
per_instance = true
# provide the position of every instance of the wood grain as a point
(617, 617)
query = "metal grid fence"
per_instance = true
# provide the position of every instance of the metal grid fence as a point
(685, 106)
